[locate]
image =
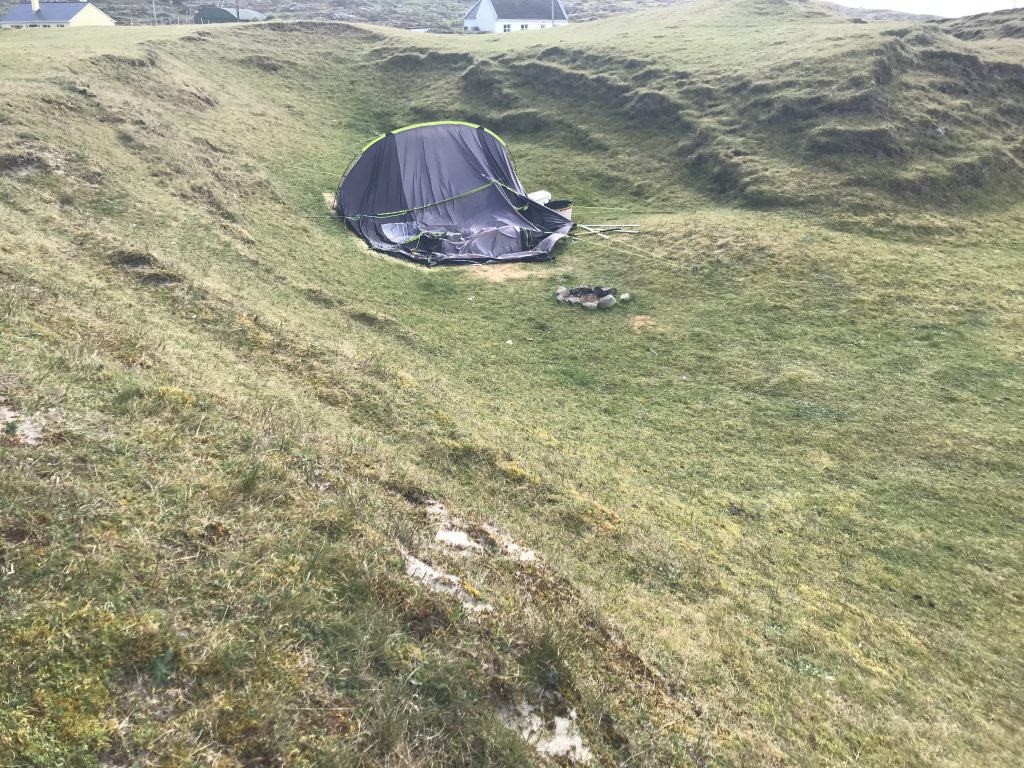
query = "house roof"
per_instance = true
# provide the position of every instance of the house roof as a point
(473, 10)
(49, 13)
(528, 9)
(218, 13)
(246, 14)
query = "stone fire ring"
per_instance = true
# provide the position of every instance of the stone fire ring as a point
(589, 297)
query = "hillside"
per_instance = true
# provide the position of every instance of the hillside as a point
(1001, 24)
(769, 513)
(872, 14)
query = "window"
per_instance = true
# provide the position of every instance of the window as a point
(523, 27)
(543, 26)
(506, 27)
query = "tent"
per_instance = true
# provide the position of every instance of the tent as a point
(445, 193)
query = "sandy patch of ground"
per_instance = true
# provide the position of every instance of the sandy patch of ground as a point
(458, 540)
(557, 737)
(453, 533)
(444, 583)
(499, 273)
(507, 546)
(554, 736)
(642, 322)
(329, 201)
(27, 430)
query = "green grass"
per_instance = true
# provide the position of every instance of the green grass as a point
(776, 498)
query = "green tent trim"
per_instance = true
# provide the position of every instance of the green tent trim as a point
(436, 122)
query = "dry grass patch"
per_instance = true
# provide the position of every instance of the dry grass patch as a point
(642, 322)
(500, 273)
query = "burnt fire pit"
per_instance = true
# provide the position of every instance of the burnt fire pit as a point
(589, 297)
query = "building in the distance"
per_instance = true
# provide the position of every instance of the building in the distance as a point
(515, 15)
(37, 14)
(213, 15)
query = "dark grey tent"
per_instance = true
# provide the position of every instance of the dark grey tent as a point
(445, 193)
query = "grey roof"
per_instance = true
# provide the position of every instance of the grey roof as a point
(472, 11)
(217, 13)
(49, 13)
(246, 14)
(528, 9)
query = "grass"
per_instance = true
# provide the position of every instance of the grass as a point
(775, 498)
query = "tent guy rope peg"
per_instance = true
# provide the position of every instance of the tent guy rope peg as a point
(603, 230)
(592, 231)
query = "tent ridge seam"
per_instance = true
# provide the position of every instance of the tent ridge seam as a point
(420, 207)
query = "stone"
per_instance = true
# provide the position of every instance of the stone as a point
(573, 301)
(606, 302)
(561, 290)
(589, 305)
(625, 297)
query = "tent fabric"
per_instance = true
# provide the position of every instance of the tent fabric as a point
(445, 193)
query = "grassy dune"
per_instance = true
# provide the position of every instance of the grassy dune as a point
(776, 500)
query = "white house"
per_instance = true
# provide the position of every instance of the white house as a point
(36, 14)
(515, 15)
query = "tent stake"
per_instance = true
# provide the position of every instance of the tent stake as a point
(594, 231)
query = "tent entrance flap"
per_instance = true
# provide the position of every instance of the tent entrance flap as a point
(445, 193)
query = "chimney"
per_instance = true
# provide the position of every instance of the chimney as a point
(35, 6)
